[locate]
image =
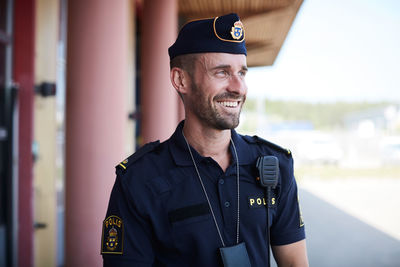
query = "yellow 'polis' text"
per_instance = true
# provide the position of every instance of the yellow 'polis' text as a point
(260, 201)
(113, 221)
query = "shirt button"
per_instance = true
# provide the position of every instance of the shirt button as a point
(221, 181)
(227, 204)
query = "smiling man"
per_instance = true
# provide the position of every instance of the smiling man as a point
(196, 199)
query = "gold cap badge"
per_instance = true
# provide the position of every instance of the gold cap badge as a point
(237, 30)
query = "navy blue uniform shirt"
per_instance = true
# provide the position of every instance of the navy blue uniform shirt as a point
(158, 214)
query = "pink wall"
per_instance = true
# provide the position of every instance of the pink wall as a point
(96, 119)
(159, 110)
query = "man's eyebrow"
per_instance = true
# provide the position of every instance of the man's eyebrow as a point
(227, 67)
(221, 67)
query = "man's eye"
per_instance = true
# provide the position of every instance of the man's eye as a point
(242, 73)
(222, 73)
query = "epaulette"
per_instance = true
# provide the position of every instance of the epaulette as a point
(256, 139)
(137, 155)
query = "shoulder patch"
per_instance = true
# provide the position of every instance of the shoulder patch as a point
(112, 239)
(137, 155)
(256, 139)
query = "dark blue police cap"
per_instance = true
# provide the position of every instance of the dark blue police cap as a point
(223, 34)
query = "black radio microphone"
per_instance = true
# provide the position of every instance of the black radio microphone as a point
(268, 168)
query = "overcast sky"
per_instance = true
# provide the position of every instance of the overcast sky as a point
(336, 50)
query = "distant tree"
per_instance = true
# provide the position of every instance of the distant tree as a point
(325, 116)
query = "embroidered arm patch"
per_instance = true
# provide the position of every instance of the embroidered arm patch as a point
(112, 239)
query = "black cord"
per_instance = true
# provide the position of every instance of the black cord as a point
(268, 189)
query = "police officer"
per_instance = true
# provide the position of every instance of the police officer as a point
(195, 199)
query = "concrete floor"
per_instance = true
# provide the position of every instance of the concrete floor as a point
(349, 222)
(352, 222)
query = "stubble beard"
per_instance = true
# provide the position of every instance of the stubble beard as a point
(209, 114)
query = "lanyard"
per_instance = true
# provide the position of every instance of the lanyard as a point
(208, 200)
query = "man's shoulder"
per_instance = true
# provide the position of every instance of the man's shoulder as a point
(140, 153)
(146, 169)
(284, 156)
(267, 145)
(146, 161)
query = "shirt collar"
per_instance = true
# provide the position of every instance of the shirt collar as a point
(178, 147)
(181, 156)
(245, 154)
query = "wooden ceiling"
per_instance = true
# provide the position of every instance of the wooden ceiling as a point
(266, 22)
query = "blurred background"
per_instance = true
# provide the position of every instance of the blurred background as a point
(83, 84)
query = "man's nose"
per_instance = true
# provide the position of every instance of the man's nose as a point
(237, 85)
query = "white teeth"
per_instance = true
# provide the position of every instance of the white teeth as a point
(229, 104)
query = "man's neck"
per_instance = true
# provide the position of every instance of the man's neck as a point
(209, 142)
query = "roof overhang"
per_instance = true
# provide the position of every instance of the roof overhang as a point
(266, 22)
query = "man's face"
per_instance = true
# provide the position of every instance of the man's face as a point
(218, 89)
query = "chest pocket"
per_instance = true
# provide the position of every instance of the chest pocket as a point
(186, 203)
(189, 214)
(190, 225)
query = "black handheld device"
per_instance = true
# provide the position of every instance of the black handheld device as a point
(268, 168)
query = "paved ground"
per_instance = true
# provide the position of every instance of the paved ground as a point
(375, 201)
(352, 222)
(349, 222)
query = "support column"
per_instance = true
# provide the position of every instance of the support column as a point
(159, 101)
(23, 72)
(98, 77)
(45, 128)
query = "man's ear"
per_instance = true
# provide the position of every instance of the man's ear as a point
(179, 80)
